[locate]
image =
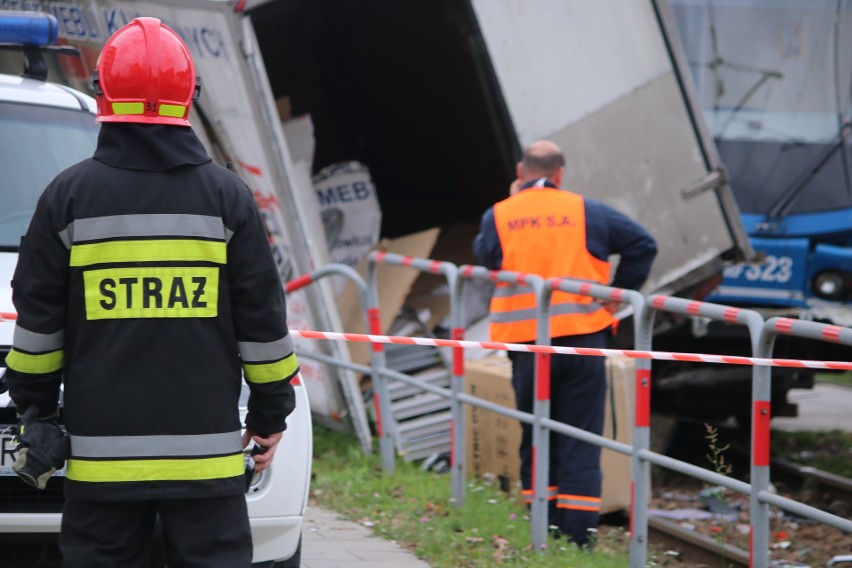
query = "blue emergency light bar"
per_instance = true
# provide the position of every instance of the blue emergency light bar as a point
(35, 29)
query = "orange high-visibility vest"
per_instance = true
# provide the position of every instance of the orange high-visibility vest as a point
(543, 231)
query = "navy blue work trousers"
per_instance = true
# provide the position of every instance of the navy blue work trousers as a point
(577, 397)
(199, 533)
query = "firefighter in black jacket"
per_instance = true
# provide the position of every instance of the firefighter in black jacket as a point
(146, 284)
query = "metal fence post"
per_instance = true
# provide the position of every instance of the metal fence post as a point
(642, 337)
(761, 395)
(641, 476)
(643, 325)
(457, 426)
(385, 422)
(541, 409)
(541, 405)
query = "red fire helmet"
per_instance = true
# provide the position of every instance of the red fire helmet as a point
(145, 75)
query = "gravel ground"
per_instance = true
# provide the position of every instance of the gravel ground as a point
(794, 541)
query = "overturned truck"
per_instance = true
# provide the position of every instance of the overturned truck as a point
(436, 100)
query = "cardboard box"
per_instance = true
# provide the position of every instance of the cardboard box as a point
(621, 380)
(394, 284)
(493, 440)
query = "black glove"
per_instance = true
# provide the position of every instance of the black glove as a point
(257, 449)
(42, 449)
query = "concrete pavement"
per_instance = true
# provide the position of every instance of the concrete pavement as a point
(328, 541)
(827, 406)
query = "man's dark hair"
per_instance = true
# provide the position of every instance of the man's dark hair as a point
(545, 163)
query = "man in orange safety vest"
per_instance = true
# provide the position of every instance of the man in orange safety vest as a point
(541, 229)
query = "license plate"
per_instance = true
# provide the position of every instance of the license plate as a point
(8, 453)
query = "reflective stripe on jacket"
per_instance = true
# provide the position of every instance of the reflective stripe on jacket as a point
(543, 231)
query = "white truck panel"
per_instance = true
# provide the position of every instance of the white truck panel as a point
(597, 79)
(559, 61)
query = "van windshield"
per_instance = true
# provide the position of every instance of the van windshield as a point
(36, 143)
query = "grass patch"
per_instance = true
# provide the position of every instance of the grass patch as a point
(413, 507)
(829, 451)
(837, 378)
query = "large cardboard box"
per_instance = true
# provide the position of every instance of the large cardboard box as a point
(618, 425)
(493, 440)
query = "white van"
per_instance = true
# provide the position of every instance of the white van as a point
(44, 128)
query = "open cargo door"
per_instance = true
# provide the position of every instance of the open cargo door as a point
(608, 83)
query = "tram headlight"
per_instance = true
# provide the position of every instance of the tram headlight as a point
(831, 285)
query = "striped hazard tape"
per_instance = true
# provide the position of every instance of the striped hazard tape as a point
(497, 346)
(633, 354)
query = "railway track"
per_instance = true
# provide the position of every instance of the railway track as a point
(822, 486)
(692, 447)
(694, 548)
(831, 488)
(818, 488)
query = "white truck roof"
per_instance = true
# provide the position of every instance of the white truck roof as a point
(31, 91)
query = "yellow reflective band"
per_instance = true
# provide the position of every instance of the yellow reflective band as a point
(149, 251)
(100, 471)
(128, 108)
(151, 292)
(176, 111)
(271, 372)
(35, 364)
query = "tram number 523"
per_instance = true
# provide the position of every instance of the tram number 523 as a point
(774, 269)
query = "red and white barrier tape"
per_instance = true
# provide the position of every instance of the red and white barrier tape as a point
(495, 346)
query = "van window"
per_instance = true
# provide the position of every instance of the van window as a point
(36, 143)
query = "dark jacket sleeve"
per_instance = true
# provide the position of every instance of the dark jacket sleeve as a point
(611, 232)
(40, 296)
(486, 244)
(260, 318)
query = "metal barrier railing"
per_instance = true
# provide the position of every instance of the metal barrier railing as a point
(762, 335)
(352, 275)
(642, 455)
(457, 429)
(640, 480)
(541, 396)
(761, 497)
